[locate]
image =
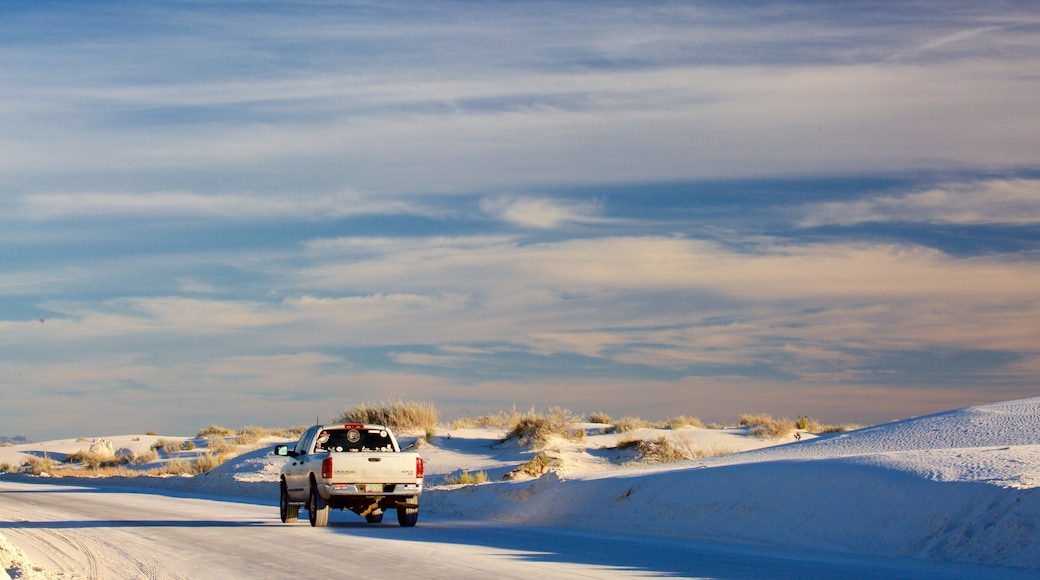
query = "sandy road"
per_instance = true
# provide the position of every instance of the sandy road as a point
(107, 532)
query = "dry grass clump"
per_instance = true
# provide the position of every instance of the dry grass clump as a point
(837, 428)
(766, 426)
(250, 435)
(502, 420)
(200, 464)
(222, 447)
(682, 421)
(665, 450)
(466, 478)
(600, 418)
(94, 461)
(215, 431)
(37, 465)
(402, 416)
(537, 430)
(168, 446)
(538, 466)
(628, 424)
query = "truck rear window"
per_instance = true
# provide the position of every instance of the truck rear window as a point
(369, 440)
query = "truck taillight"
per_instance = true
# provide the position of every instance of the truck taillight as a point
(326, 467)
(419, 468)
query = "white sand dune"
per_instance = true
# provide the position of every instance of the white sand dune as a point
(959, 486)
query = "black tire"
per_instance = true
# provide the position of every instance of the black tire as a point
(289, 513)
(317, 508)
(407, 516)
(374, 518)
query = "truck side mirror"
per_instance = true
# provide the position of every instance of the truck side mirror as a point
(283, 450)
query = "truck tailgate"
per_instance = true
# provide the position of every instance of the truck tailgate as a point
(373, 467)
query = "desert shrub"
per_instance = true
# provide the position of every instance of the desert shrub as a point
(200, 464)
(501, 420)
(628, 424)
(168, 446)
(410, 416)
(683, 421)
(5, 467)
(221, 447)
(838, 428)
(288, 432)
(250, 435)
(143, 457)
(766, 426)
(807, 423)
(37, 465)
(466, 478)
(600, 418)
(535, 429)
(189, 445)
(151, 433)
(665, 450)
(94, 461)
(715, 426)
(215, 431)
(538, 466)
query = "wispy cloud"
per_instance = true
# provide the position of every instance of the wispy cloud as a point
(537, 212)
(993, 201)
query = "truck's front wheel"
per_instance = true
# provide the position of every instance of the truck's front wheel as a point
(318, 508)
(289, 513)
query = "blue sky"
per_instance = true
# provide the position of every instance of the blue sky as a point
(258, 213)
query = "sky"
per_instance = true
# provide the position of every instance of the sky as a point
(262, 213)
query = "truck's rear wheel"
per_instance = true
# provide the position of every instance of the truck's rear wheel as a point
(317, 508)
(407, 516)
(289, 513)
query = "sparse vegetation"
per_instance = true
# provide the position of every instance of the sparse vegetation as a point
(683, 421)
(538, 466)
(222, 447)
(250, 435)
(537, 430)
(599, 418)
(168, 446)
(766, 426)
(502, 420)
(401, 416)
(466, 478)
(94, 461)
(629, 424)
(37, 465)
(215, 431)
(665, 450)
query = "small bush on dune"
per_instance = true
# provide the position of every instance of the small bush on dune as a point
(215, 431)
(143, 457)
(537, 430)
(599, 418)
(402, 416)
(168, 446)
(766, 426)
(200, 464)
(629, 424)
(502, 420)
(250, 435)
(538, 466)
(665, 450)
(221, 447)
(94, 461)
(466, 478)
(683, 421)
(37, 465)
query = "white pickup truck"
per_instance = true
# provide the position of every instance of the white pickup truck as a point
(353, 466)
